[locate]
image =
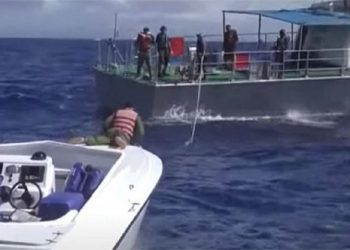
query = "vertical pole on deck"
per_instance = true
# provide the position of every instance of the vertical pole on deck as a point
(99, 57)
(300, 44)
(223, 23)
(108, 59)
(115, 30)
(115, 36)
(259, 31)
(292, 35)
(223, 34)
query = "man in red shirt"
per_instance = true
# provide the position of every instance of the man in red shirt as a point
(143, 44)
(230, 42)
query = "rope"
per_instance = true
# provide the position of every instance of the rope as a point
(190, 141)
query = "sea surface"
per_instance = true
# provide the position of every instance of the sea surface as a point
(245, 183)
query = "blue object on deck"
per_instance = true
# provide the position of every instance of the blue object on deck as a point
(93, 179)
(58, 204)
(307, 17)
(76, 178)
(81, 184)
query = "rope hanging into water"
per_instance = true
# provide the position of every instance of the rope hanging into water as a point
(190, 141)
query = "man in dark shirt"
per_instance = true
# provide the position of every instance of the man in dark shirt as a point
(281, 46)
(230, 41)
(200, 53)
(164, 51)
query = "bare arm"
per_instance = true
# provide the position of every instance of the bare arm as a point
(108, 122)
(139, 131)
(140, 126)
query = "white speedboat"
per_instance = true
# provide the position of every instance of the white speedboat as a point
(61, 196)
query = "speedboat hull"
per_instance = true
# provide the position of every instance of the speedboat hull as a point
(109, 219)
(130, 237)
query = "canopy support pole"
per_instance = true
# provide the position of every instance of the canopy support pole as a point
(292, 35)
(223, 22)
(300, 44)
(259, 31)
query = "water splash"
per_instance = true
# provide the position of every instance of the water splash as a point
(177, 115)
(321, 120)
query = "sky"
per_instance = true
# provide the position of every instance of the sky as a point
(95, 18)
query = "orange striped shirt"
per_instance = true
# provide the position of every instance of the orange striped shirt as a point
(125, 120)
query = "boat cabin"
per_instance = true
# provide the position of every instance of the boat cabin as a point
(313, 50)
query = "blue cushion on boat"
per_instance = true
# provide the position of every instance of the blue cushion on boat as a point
(93, 179)
(58, 204)
(80, 185)
(76, 178)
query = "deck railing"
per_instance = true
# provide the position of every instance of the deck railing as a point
(247, 65)
(263, 38)
(267, 65)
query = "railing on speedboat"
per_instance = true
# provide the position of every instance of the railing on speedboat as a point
(262, 63)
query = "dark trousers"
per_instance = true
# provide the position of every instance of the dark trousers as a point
(229, 58)
(163, 59)
(199, 65)
(144, 57)
(280, 60)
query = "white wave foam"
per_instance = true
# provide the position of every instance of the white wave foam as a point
(178, 115)
(315, 119)
(62, 106)
(17, 95)
(236, 118)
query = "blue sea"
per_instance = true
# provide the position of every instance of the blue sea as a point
(245, 183)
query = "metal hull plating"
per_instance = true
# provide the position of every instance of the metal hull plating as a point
(113, 91)
(228, 99)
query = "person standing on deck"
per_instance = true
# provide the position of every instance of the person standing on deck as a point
(281, 46)
(121, 128)
(164, 51)
(144, 43)
(200, 56)
(230, 42)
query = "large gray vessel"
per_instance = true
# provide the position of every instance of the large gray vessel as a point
(314, 76)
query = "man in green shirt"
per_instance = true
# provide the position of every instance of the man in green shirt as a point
(121, 128)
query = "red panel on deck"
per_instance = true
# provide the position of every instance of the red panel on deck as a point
(177, 45)
(242, 61)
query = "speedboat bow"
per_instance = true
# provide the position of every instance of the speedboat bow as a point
(60, 196)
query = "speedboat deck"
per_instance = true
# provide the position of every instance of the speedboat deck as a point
(61, 196)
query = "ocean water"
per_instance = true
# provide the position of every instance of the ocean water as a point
(257, 183)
